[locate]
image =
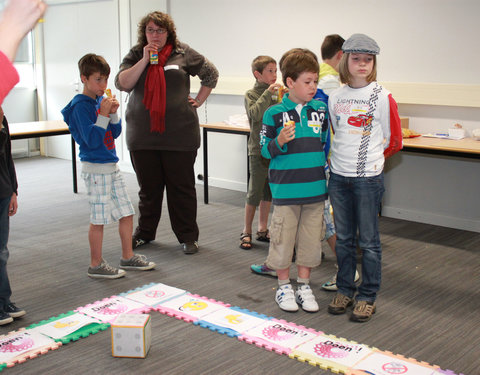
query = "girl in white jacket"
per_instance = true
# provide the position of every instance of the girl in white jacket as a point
(366, 127)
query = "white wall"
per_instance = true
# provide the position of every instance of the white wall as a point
(420, 41)
(105, 27)
(20, 104)
(432, 42)
(70, 31)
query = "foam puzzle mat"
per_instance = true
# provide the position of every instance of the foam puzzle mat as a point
(279, 336)
(231, 321)
(69, 327)
(19, 346)
(316, 348)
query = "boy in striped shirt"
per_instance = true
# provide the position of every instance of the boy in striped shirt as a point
(293, 137)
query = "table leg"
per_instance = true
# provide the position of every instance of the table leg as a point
(74, 167)
(205, 166)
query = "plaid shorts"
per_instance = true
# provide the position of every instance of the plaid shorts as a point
(109, 200)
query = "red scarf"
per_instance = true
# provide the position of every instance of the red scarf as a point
(155, 91)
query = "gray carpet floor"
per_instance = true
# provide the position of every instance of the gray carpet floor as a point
(428, 306)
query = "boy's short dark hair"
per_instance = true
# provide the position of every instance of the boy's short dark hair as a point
(91, 63)
(259, 63)
(297, 61)
(331, 45)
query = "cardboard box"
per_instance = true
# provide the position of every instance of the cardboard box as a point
(131, 335)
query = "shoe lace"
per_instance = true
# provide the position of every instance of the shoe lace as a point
(138, 258)
(342, 300)
(108, 267)
(11, 307)
(286, 294)
(364, 306)
(306, 293)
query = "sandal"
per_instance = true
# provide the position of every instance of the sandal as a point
(246, 241)
(263, 236)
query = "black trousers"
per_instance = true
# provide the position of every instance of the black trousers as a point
(156, 171)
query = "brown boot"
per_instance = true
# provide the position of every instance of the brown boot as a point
(363, 311)
(339, 304)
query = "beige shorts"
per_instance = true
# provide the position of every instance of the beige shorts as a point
(299, 227)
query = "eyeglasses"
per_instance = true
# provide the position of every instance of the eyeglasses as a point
(153, 31)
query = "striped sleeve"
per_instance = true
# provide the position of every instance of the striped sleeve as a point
(268, 137)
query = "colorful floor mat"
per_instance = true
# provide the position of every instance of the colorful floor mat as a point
(316, 348)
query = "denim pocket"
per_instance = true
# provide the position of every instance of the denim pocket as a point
(276, 229)
(375, 184)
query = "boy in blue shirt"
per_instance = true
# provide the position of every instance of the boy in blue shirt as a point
(94, 124)
(293, 135)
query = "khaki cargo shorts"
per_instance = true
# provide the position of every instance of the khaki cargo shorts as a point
(299, 227)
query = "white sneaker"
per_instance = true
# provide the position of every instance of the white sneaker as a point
(305, 298)
(332, 284)
(285, 297)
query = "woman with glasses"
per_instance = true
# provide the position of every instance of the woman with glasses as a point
(163, 132)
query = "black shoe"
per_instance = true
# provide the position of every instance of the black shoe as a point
(5, 318)
(137, 242)
(190, 247)
(14, 311)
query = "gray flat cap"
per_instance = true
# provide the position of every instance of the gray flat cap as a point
(361, 43)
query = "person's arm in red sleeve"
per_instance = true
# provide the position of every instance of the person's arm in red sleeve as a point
(396, 140)
(9, 76)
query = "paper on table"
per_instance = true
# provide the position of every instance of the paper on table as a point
(240, 120)
(436, 135)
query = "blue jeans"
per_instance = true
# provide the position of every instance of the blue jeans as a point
(356, 204)
(5, 291)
